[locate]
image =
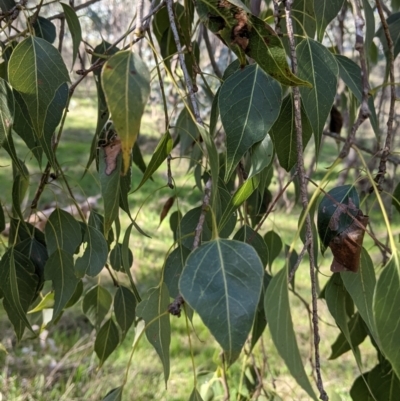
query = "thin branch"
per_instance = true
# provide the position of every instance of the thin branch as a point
(277, 17)
(139, 26)
(389, 134)
(61, 34)
(210, 52)
(309, 240)
(364, 112)
(77, 8)
(298, 261)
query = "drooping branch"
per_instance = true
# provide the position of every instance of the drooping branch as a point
(309, 240)
(389, 133)
(364, 111)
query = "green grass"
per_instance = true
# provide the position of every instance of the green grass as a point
(63, 366)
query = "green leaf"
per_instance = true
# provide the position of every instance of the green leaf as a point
(161, 152)
(195, 396)
(95, 255)
(248, 235)
(47, 302)
(19, 189)
(75, 29)
(187, 131)
(116, 257)
(159, 331)
(45, 29)
(277, 311)
(274, 244)
(2, 219)
(110, 187)
(59, 269)
(222, 282)
(137, 158)
(96, 304)
(7, 5)
(188, 225)
(114, 395)
(126, 84)
(261, 156)
(357, 331)
(249, 103)
(283, 133)
(369, 24)
(62, 232)
(76, 296)
(395, 199)
(317, 65)
(325, 12)
(387, 311)
(124, 309)
(304, 23)
(7, 109)
(36, 70)
(107, 340)
(350, 73)
(394, 29)
(18, 284)
(361, 287)
(173, 269)
(332, 220)
(240, 196)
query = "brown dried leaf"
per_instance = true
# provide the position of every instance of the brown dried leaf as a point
(167, 206)
(111, 152)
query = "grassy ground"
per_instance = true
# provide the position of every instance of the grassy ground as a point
(62, 366)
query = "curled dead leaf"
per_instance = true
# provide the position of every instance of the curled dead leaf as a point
(111, 151)
(166, 208)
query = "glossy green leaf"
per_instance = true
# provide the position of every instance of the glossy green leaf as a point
(249, 103)
(333, 220)
(325, 12)
(19, 189)
(261, 156)
(36, 70)
(18, 283)
(47, 302)
(240, 196)
(283, 134)
(62, 232)
(76, 296)
(116, 258)
(350, 73)
(159, 331)
(274, 244)
(394, 29)
(95, 255)
(387, 311)
(361, 287)
(248, 235)
(222, 282)
(317, 65)
(195, 396)
(277, 311)
(173, 269)
(45, 29)
(114, 395)
(7, 109)
(126, 84)
(124, 309)
(59, 269)
(358, 333)
(161, 152)
(75, 29)
(137, 158)
(107, 340)
(96, 304)
(303, 15)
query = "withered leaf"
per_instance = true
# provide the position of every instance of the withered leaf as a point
(166, 208)
(111, 152)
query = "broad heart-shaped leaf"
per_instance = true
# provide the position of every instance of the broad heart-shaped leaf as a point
(95, 256)
(317, 65)
(36, 70)
(304, 23)
(387, 312)
(116, 257)
(18, 284)
(96, 304)
(283, 134)
(261, 156)
(59, 269)
(45, 29)
(75, 29)
(110, 188)
(124, 308)
(114, 395)
(222, 282)
(277, 311)
(361, 288)
(357, 331)
(126, 84)
(331, 219)
(6, 110)
(325, 11)
(107, 340)
(158, 330)
(274, 244)
(350, 73)
(249, 103)
(161, 152)
(173, 269)
(394, 29)
(248, 235)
